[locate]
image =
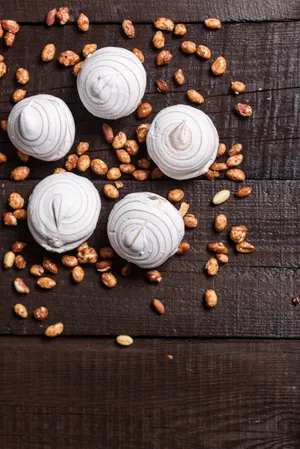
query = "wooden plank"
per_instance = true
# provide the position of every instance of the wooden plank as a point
(146, 11)
(255, 290)
(88, 393)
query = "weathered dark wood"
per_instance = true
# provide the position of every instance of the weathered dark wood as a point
(146, 11)
(90, 393)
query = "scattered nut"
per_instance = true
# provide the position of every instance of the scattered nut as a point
(113, 174)
(3, 123)
(188, 47)
(2, 69)
(99, 167)
(238, 233)
(77, 274)
(184, 207)
(221, 197)
(9, 39)
(179, 77)
(144, 163)
(244, 110)
(203, 52)
(212, 175)
(83, 22)
(71, 162)
(219, 66)
(170, 357)
(156, 173)
(127, 269)
(158, 40)
(22, 156)
(180, 29)
(20, 214)
(221, 149)
(119, 184)
(46, 283)
(154, 276)
(242, 192)
(245, 247)
(54, 330)
(107, 252)
(211, 298)
(69, 261)
(128, 28)
(59, 170)
(220, 222)
(124, 340)
(162, 23)
(175, 195)
(108, 132)
(183, 248)
(11, 26)
(195, 97)
(212, 267)
(83, 163)
(49, 265)
(212, 23)
(3, 158)
(238, 87)
(18, 247)
(144, 110)
(235, 174)
(234, 161)
(68, 58)
(15, 200)
(82, 247)
(87, 255)
(142, 131)
(295, 301)
(18, 95)
(235, 149)
(119, 141)
(50, 18)
(20, 262)
(103, 266)
(21, 310)
(37, 270)
(82, 148)
(218, 166)
(111, 191)
(77, 68)
(163, 57)
(1, 33)
(22, 76)
(62, 15)
(88, 49)
(21, 287)
(190, 221)
(109, 280)
(139, 54)
(222, 258)
(9, 219)
(132, 148)
(127, 168)
(158, 306)
(41, 313)
(217, 247)
(141, 175)
(9, 260)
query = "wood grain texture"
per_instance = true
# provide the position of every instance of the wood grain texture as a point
(90, 393)
(146, 11)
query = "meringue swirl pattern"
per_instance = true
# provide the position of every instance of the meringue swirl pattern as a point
(145, 229)
(42, 126)
(182, 141)
(63, 211)
(111, 83)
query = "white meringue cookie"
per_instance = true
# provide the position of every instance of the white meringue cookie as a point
(63, 211)
(145, 229)
(182, 141)
(42, 126)
(111, 83)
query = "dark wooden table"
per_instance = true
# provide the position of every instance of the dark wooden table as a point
(234, 379)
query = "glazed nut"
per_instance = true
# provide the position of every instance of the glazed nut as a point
(175, 195)
(103, 266)
(235, 174)
(221, 197)
(144, 110)
(219, 66)
(111, 191)
(108, 132)
(3, 123)
(22, 156)
(184, 207)
(55, 330)
(221, 149)
(235, 149)
(244, 110)
(20, 214)
(59, 170)
(203, 52)
(211, 298)
(144, 163)
(119, 141)
(183, 248)
(69, 261)
(46, 283)
(15, 200)
(37, 270)
(20, 262)
(132, 148)
(180, 29)
(88, 49)
(87, 255)
(162, 86)
(83, 22)
(179, 77)
(8, 260)
(1, 34)
(190, 221)
(21, 287)
(78, 274)
(113, 174)
(158, 306)
(124, 340)
(220, 222)
(188, 47)
(68, 58)
(109, 280)
(154, 276)
(126, 270)
(163, 57)
(195, 97)
(21, 310)
(212, 23)
(82, 246)
(22, 76)
(212, 267)
(71, 162)
(9, 39)
(142, 131)
(62, 15)
(242, 192)
(99, 167)
(40, 313)
(238, 87)
(245, 247)
(127, 168)
(107, 252)
(162, 23)
(77, 68)
(83, 163)
(139, 54)
(141, 175)
(9, 219)
(82, 148)
(234, 161)
(158, 40)
(212, 175)
(218, 166)
(18, 95)
(238, 233)
(156, 173)
(2, 69)
(49, 265)
(128, 28)
(11, 26)
(50, 18)
(3, 158)
(217, 247)
(222, 258)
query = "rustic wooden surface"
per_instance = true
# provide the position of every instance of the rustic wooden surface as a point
(88, 393)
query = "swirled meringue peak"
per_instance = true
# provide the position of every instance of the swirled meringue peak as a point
(63, 211)
(182, 141)
(42, 126)
(145, 229)
(111, 83)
